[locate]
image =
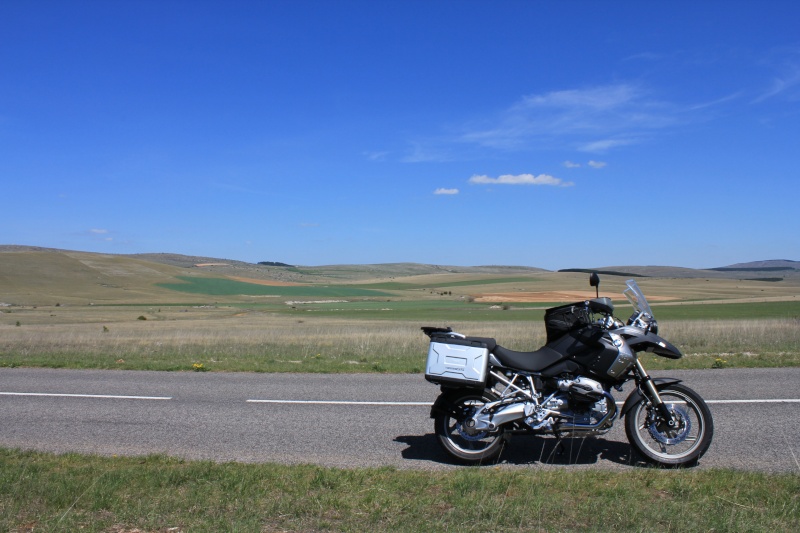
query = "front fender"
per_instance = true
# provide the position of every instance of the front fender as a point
(641, 341)
(636, 396)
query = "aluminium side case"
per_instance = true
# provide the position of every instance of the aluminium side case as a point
(457, 362)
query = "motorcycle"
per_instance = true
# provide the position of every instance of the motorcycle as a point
(563, 389)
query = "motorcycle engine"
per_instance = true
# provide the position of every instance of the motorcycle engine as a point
(580, 400)
(582, 388)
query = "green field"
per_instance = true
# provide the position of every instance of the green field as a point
(448, 310)
(731, 311)
(229, 287)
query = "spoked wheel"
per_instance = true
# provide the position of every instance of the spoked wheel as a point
(462, 442)
(680, 444)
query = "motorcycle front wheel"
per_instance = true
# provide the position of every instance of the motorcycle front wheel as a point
(461, 442)
(679, 445)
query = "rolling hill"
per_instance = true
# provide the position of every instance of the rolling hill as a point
(45, 276)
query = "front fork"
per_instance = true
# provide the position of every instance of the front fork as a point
(647, 387)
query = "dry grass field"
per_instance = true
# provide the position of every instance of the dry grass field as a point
(74, 309)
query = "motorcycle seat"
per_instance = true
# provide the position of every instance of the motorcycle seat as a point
(535, 361)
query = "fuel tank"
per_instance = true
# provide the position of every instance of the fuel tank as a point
(600, 352)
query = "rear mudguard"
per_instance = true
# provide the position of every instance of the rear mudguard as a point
(636, 396)
(444, 403)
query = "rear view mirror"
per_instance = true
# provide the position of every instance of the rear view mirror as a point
(594, 281)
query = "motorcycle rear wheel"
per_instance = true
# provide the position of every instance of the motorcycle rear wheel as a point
(459, 441)
(678, 446)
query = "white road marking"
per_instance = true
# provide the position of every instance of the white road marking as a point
(324, 402)
(102, 396)
(788, 400)
(338, 402)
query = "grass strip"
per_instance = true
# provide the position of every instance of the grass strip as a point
(259, 342)
(205, 360)
(47, 492)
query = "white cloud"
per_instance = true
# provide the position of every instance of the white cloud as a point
(570, 164)
(98, 231)
(520, 179)
(597, 164)
(445, 191)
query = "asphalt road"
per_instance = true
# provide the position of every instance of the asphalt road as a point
(362, 420)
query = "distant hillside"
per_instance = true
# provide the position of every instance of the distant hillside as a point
(49, 276)
(771, 273)
(773, 265)
(772, 269)
(186, 261)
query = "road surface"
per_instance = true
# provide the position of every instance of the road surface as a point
(349, 420)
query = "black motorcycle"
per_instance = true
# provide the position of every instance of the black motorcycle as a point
(563, 389)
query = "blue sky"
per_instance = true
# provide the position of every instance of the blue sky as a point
(547, 134)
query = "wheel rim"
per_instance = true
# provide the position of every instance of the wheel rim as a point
(463, 439)
(671, 443)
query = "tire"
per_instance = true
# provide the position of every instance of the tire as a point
(461, 444)
(671, 447)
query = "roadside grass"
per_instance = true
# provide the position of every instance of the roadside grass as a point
(230, 339)
(40, 491)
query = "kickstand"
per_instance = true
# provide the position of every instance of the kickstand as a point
(560, 449)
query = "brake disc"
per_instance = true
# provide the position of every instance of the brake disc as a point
(473, 436)
(665, 434)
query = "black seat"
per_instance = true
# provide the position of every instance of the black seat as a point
(531, 361)
(536, 361)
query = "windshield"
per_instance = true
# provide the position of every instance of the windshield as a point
(636, 297)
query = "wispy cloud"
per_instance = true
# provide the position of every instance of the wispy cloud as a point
(604, 145)
(102, 234)
(788, 83)
(591, 163)
(376, 156)
(593, 119)
(445, 191)
(236, 188)
(520, 179)
(429, 152)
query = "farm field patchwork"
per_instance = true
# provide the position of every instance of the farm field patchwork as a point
(80, 310)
